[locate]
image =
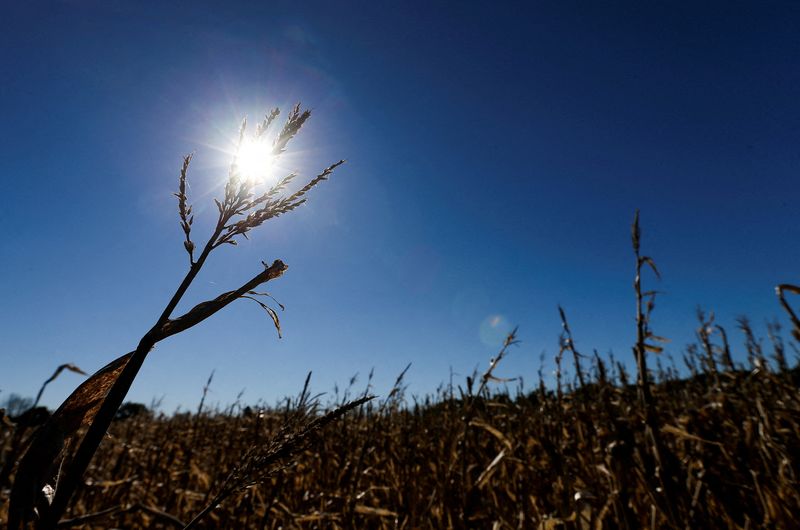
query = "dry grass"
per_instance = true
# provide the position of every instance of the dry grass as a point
(578, 459)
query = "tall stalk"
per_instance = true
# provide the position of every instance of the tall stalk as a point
(239, 211)
(660, 465)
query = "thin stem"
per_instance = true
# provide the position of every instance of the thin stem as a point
(205, 511)
(661, 466)
(641, 321)
(189, 278)
(237, 200)
(119, 390)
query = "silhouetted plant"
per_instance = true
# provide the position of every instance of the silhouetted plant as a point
(94, 404)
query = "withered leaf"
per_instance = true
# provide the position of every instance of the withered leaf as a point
(271, 312)
(653, 348)
(44, 455)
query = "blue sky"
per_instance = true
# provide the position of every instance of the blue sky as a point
(496, 154)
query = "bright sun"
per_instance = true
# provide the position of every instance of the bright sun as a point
(255, 159)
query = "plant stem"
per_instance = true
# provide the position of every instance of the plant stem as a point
(102, 421)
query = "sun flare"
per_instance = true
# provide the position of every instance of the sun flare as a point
(255, 159)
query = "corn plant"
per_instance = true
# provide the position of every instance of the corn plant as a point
(58, 456)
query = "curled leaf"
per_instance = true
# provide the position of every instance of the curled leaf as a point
(271, 312)
(646, 260)
(794, 289)
(270, 297)
(652, 348)
(44, 455)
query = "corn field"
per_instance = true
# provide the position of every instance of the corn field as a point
(577, 456)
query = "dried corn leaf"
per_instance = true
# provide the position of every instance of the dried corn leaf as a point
(493, 431)
(677, 431)
(487, 473)
(44, 456)
(369, 510)
(653, 348)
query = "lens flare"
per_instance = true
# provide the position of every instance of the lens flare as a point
(494, 329)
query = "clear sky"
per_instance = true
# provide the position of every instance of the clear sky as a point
(496, 154)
